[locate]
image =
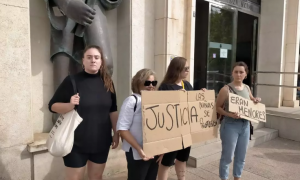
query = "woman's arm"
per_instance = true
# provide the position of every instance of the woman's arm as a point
(124, 123)
(114, 120)
(252, 98)
(222, 96)
(62, 108)
(125, 134)
(113, 111)
(116, 137)
(64, 100)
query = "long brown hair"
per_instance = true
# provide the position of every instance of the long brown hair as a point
(174, 70)
(108, 83)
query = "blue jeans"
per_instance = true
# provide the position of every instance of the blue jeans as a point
(235, 134)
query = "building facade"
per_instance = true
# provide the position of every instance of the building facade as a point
(211, 34)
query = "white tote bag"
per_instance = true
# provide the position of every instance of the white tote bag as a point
(61, 137)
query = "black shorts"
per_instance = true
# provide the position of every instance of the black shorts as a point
(140, 169)
(180, 155)
(77, 159)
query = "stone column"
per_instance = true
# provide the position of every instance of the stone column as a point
(136, 20)
(291, 53)
(16, 129)
(170, 33)
(190, 36)
(271, 50)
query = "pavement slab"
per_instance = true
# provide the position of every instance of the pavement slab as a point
(278, 159)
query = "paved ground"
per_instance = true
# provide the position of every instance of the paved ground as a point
(278, 159)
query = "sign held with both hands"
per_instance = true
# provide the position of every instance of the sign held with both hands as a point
(247, 109)
(173, 120)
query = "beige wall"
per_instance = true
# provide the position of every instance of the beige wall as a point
(16, 129)
(270, 50)
(278, 50)
(136, 24)
(291, 53)
(174, 33)
(41, 66)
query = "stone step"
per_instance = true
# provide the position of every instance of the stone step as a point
(256, 126)
(207, 152)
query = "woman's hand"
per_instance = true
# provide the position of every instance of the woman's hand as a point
(116, 139)
(234, 115)
(256, 100)
(143, 155)
(203, 89)
(160, 158)
(75, 99)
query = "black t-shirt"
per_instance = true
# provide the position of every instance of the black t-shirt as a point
(94, 134)
(169, 87)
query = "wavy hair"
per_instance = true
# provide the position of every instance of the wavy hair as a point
(139, 79)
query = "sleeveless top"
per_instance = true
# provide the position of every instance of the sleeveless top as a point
(243, 93)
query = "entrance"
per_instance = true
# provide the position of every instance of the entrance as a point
(223, 35)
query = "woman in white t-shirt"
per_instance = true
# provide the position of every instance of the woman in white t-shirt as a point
(140, 166)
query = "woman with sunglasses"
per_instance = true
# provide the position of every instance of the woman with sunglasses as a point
(139, 165)
(177, 72)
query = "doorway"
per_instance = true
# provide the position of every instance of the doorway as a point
(246, 48)
(223, 36)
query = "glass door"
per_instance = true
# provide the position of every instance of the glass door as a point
(221, 46)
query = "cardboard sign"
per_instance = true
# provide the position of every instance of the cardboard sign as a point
(174, 120)
(203, 115)
(247, 109)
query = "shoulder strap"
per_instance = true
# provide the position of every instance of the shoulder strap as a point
(74, 87)
(231, 89)
(135, 102)
(182, 84)
(248, 88)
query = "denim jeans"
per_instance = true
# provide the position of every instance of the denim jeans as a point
(235, 135)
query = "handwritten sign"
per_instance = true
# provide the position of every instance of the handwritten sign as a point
(173, 120)
(203, 115)
(247, 109)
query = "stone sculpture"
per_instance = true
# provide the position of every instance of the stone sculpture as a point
(75, 24)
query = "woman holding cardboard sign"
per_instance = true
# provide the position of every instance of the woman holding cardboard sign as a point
(234, 131)
(174, 79)
(140, 166)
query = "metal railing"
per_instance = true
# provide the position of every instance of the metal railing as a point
(272, 72)
(255, 84)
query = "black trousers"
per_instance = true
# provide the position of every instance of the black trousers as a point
(140, 169)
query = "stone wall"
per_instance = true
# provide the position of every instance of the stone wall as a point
(16, 129)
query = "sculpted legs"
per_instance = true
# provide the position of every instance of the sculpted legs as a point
(97, 34)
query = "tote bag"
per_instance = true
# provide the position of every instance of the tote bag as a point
(61, 137)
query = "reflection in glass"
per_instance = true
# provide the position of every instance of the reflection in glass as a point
(220, 40)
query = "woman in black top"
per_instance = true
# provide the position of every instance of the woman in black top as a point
(96, 100)
(174, 79)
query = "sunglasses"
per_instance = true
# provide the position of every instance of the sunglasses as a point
(147, 83)
(186, 69)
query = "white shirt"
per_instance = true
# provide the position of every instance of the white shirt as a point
(132, 121)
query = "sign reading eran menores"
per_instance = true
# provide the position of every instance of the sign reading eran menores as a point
(173, 120)
(247, 109)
